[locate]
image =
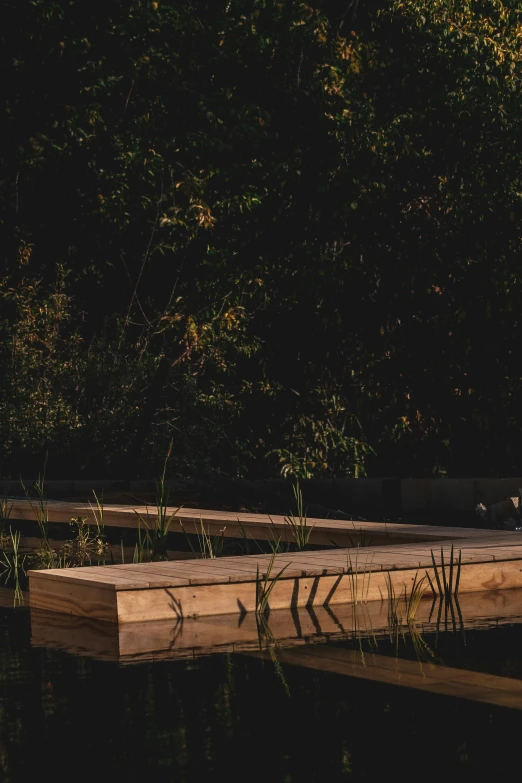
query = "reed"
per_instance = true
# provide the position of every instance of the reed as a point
(362, 540)
(5, 512)
(97, 512)
(209, 546)
(423, 651)
(395, 615)
(402, 610)
(153, 538)
(275, 542)
(298, 523)
(418, 589)
(38, 504)
(264, 587)
(447, 577)
(359, 590)
(248, 541)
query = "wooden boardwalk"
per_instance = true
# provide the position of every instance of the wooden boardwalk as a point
(241, 525)
(491, 560)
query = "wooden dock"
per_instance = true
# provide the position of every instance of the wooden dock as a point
(241, 525)
(230, 585)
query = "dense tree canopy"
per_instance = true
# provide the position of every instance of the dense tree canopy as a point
(285, 234)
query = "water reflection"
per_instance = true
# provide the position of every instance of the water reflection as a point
(368, 641)
(425, 676)
(189, 638)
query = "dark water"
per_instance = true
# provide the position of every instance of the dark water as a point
(230, 718)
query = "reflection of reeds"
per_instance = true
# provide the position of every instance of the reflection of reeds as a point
(402, 610)
(413, 600)
(5, 512)
(13, 563)
(359, 591)
(268, 643)
(422, 649)
(362, 628)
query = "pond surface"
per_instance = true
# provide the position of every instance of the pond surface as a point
(236, 716)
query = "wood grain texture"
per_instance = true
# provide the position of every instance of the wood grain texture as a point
(86, 600)
(299, 591)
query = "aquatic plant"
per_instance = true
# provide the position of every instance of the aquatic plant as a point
(354, 572)
(275, 540)
(154, 539)
(46, 557)
(5, 512)
(418, 589)
(12, 563)
(265, 585)
(395, 615)
(209, 546)
(86, 546)
(298, 524)
(402, 610)
(447, 586)
(97, 512)
(268, 644)
(38, 506)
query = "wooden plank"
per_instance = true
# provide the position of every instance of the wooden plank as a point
(104, 578)
(75, 576)
(86, 600)
(187, 572)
